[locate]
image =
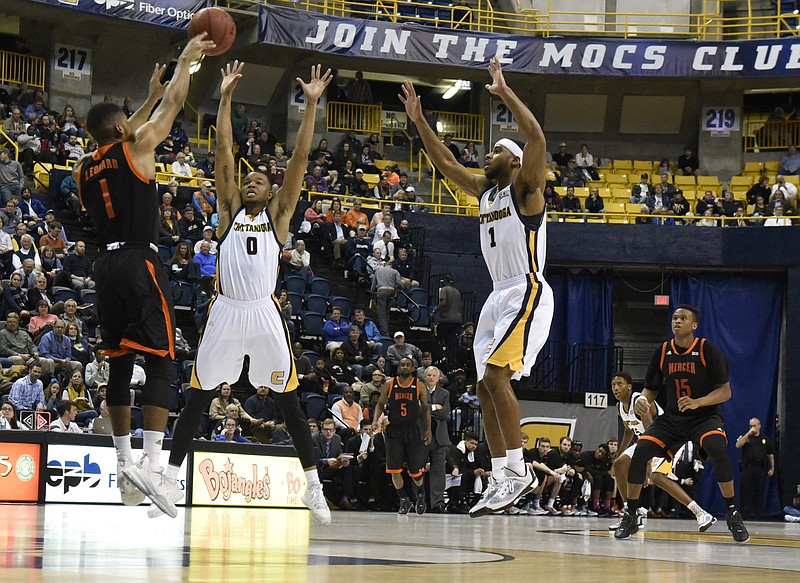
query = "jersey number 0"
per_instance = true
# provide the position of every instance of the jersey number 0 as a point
(251, 245)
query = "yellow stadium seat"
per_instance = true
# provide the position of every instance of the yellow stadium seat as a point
(615, 207)
(740, 182)
(620, 193)
(616, 180)
(750, 209)
(601, 184)
(622, 166)
(640, 166)
(632, 207)
(690, 194)
(684, 182)
(707, 181)
(793, 178)
(372, 179)
(41, 174)
(772, 167)
(595, 220)
(753, 168)
(617, 220)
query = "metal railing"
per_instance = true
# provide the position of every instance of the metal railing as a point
(576, 368)
(358, 117)
(762, 133)
(465, 127)
(7, 142)
(16, 68)
(197, 139)
(558, 18)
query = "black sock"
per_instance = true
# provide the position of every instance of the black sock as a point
(633, 506)
(402, 494)
(729, 502)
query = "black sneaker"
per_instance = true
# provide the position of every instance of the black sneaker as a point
(736, 526)
(405, 505)
(420, 506)
(627, 526)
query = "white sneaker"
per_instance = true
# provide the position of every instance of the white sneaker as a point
(174, 493)
(315, 501)
(151, 482)
(791, 518)
(480, 508)
(514, 487)
(130, 494)
(537, 512)
(704, 521)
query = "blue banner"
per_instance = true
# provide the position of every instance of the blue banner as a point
(417, 43)
(171, 13)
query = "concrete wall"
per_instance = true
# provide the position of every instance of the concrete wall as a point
(592, 426)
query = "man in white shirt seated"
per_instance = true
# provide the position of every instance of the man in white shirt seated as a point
(67, 411)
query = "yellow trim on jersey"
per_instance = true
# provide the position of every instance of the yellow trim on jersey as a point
(512, 347)
(664, 467)
(293, 381)
(534, 265)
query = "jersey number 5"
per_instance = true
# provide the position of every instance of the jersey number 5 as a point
(682, 388)
(403, 409)
(251, 244)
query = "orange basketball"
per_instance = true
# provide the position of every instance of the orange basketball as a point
(218, 24)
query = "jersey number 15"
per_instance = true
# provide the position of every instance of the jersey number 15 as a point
(682, 388)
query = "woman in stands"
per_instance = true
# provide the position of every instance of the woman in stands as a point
(52, 396)
(375, 146)
(181, 266)
(6, 251)
(70, 124)
(366, 161)
(286, 311)
(77, 392)
(314, 214)
(15, 299)
(8, 417)
(760, 188)
(169, 234)
(343, 155)
(469, 156)
(81, 349)
(52, 267)
(664, 167)
(42, 322)
(336, 205)
(322, 148)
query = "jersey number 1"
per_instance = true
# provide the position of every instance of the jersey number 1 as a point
(682, 388)
(107, 198)
(251, 244)
(492, 242)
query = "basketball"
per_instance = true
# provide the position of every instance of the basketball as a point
(218, 24)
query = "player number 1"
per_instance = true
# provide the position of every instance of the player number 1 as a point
(492, 243)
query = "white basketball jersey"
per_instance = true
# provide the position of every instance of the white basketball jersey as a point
(248, 257)
(510, 247)
(629, 417)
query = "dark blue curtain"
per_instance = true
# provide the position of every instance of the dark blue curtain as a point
(583, 307)
(742, 316)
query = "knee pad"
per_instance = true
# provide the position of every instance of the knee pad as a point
(159, 370)
(714, 445)
(120, 370)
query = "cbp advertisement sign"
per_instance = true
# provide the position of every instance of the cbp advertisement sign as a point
(87, 474)
(224, 479)
(19, 472)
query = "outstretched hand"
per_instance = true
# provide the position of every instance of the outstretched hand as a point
(498, 84)
(231, 74)
(197, 46)
(411, 101)
(314, 88)
(156, 88)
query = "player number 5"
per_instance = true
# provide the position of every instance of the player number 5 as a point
(403, 409)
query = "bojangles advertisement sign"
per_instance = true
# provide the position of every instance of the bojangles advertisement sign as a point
(223, 479)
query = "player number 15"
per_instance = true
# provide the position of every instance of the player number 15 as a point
(682, 388)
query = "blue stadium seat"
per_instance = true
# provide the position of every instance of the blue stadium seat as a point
(321, 286)
(343, 303)
(333, 398)
(312, 355)
(164, 253)
(297, 303)
(317, 303)
(312, 325)
(401, 300)
(315, 405)
(62, 294)
(182, 293)
(419, 296)
(88, 296)
(296, 284)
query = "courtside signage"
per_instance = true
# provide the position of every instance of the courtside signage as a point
(224, 479)
(172, 13)
(87, 474)
(417, 43)
(19, 472)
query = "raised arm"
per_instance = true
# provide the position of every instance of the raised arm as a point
(441, 156)
(285, 200)
(228, 200)
(153, 132)
(155, 91)
(530, 180)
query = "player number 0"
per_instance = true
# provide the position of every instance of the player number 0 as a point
(251, 244)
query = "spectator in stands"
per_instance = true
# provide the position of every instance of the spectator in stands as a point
(300, 263)
(790, 164)
(81, 349)
(335, 330)
(14, 298)
(573, 176)
(190, 227)
(205, 260)
(336, 206)
(25, 252)
(53, 240)
(27, 392)
(375, 146)
(788, 188)
(641, 190)
(375, 262)
(571, 203)
(359, 249)
(760, 188)
(16, 345)
(335, 186)
(204, 202)
(347, 413)
(779, 199)
(262, 409)
(552, 200)
(340, 370)
(402, 349)
(454, 150)
(71, 124)
(382, 190)
(37, 108)
(469, 156)
(30, 144)
(658, 203)
(169, 233)
(352, 216)
(358, 90)
(385, 226)
(42, 322)
(6, 250)
(778, 219)
(359, 186)
(32, 208)
(708, 219)
(313, 214)
(181, 265)
(67, 412)
(286, 311)
(178, 135)
(680, 206)
(10, 218)
(208, 234)
(231, 433)
(217, 411)
(73, 149)
(29, 272)
(166, 151)
(57, 347)
(208, 165)
(449, 317)
(97, 371)
(664, 168)
(405, 267)
(241, 124)
(344, 153)
(759, 210)
(356, 350)
(370, 333)
(181, 167)
(562, 156)
(585, 162)
(70, 316)
(385, 283)
(337, 234)
(688, 164)
(78, 268)
(77, 393)
(386, 247)
(708, 201)
(730, 206)
(331, 464)
(14, 125)
(319, 160)
(275, 173)
(666, 186)
(594, 204)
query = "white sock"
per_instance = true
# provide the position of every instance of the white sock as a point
(498, 467)
(312, 477)
(152, 447)
(171, 473)
(695, 508)
(514, 462)
(550, 503)
(122, 443)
